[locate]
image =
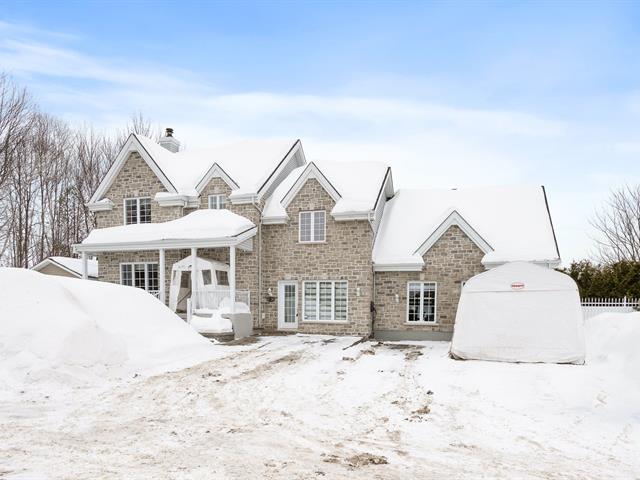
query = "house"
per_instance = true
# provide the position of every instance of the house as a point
(308, 246)
(66, 267)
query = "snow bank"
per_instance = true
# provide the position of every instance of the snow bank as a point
(612, 341)
(50, 322)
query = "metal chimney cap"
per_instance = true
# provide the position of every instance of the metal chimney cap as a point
(169, 132)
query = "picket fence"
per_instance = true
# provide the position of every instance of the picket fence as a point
(594, 306)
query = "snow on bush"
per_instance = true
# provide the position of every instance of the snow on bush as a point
(49, 322)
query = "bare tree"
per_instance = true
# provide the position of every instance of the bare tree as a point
(15, 118)
(48, 172)
(618, 223)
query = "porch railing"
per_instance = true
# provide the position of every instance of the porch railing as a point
(594, 306)
(155, 293)
(218, 298)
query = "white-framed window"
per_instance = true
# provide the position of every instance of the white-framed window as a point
(422, 302)
(137, 210)
(141, 275)
(312, 227)
(324, 301)
(217, 202)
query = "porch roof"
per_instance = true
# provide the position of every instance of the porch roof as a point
(202, 229)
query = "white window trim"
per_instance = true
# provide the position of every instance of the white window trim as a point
(435, 304)
(217, 196)
(124, 209)
(333, 302)
(313, 225)
(146, 274)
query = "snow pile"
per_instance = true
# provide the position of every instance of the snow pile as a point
(514, 221)
(212, 321)
(612, 342)
(87, 328)
(358, 184)
(201, 224)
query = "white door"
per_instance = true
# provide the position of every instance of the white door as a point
(287, 305)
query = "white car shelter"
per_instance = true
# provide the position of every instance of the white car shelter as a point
(199, 229)
(520, 312)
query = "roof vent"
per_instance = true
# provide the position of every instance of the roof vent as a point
(169, 142)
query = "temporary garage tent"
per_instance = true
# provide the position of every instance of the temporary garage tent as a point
(211, 276)
(520, 312)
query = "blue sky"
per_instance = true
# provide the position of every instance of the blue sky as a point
(449, 95)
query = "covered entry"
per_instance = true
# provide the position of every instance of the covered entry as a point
(202, 229)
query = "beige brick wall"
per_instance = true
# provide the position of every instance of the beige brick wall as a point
(346, 255)
(135, 179)
(454, 258)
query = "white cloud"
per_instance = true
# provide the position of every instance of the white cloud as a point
(428, 144)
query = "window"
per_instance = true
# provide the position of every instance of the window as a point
(206, 277)
(312, 227)
(140, 275)
(325, 301)
(421, 302)
(137, 210)
(217, 202)
(222, 277)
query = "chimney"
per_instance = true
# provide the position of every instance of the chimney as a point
(169, 142)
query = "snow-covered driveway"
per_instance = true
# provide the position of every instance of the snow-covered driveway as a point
(303, 407)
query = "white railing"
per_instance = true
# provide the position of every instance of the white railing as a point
(155, 293)
(594, 306)
(217, 298)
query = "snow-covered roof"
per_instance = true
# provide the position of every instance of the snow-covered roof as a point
(202, 228)
(72, 265)
(354, 185)
(508, 223)
(246, 165)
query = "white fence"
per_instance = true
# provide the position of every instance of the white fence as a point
(594, 306)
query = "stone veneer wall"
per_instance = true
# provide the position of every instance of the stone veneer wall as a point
(135, 179)
(346, 255)
(454, 258)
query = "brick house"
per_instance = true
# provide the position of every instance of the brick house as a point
(313, 247)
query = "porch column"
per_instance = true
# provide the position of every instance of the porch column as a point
(194, 256)
(85, 266)
(161, 276)
(232, 277)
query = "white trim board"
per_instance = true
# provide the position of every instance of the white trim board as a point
(311, 171)
(130, 146)
(454, 218)
(241, 240)
(216, 171)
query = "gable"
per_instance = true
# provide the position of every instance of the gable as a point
(311, 173)
(454, 243)
(311, 196)
(131, 146)
(135, 178)
(457, 220)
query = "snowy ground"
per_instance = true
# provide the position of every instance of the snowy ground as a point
(304, 407)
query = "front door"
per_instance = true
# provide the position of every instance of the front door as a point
(287, 305)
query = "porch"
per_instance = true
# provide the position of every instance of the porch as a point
(146, 256)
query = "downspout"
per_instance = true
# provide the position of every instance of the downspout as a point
(259, 261)
(372, 309)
